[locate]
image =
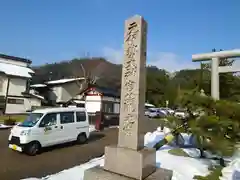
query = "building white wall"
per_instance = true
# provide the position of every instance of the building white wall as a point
(64, 92)
(112, 99)
(55, 93)
(22, 108)
(116, 108)
(93, 103)
(15, 109)
(9, 61)
(3, 84)
(17, 86)
(29, 102)
(69, 91)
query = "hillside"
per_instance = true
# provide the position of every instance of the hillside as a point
(161, 86)
(107, 72)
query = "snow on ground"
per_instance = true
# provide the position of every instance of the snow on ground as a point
(2, 126)
(184, 168)
(92, 128)
(232, 171)
(75, 173)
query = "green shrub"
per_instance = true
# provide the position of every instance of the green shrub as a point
(178, 152)
(9, 122)
(217, 124)
(213, 175)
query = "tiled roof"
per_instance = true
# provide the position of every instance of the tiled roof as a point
(103, 90)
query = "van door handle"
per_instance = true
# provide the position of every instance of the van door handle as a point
(61, 127)
(56, 126)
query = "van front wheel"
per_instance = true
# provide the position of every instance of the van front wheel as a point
(82, 138)
(33, 148)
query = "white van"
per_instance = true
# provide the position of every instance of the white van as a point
(50, 126)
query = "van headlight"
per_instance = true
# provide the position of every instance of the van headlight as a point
(25, 132)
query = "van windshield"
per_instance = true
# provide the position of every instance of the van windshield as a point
(31, 120)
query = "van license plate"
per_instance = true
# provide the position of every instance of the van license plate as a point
(14, 147)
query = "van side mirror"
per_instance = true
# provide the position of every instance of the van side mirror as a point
(47, 128)
(43, 125)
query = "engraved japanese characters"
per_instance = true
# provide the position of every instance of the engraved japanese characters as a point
(133, 84)
(130, 72)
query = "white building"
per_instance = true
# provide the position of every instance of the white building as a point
(68, 91)
(15, 96)
(102, 99)
(62, 90)
(71, 93)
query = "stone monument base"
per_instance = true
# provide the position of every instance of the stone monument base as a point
(98, 173)
(129, 162)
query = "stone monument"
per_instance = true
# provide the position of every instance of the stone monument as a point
(130, 159)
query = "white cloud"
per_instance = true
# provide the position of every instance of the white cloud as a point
(113, 55)
(163, 60)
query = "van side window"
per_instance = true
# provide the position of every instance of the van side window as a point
(66, 117)
(49, 120)
(81, 116)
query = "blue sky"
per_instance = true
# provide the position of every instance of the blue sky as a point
(49, 30)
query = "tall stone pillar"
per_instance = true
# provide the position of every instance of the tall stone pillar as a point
(130, 159)
(133, 84)
(215, 78)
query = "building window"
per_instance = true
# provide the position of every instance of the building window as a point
(15, 101)
(108, 107)
(28, 85)
(81, 105)
(66, 117)
(81, 116)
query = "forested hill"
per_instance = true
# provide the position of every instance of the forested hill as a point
(108, 73)
(161, 85)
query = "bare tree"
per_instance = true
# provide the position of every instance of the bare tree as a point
(89, 78)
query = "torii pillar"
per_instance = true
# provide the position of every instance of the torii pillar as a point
(215, 69)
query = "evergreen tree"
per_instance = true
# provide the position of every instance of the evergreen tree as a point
(215, 123)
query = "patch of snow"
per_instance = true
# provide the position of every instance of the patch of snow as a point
(186, 138)
(38, 85)
(232, 171)
(62, 81)
(15, 70)
(79, 101)
(166, 130)
(184, 168)
(38, 96)
(92, 128)
(192, 152)
(149, 105)
(3, 126)
(75, 173)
